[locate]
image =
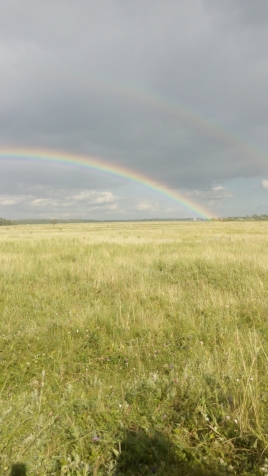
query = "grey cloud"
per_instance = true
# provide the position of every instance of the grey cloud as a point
(173, 90)
(246, 13)
(22, 177)
(216, 193)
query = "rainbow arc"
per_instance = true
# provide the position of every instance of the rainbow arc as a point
(49, 156)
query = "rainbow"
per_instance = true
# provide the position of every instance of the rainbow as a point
(50, 156)
(189, 115)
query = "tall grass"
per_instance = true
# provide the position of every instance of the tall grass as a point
(134, 349)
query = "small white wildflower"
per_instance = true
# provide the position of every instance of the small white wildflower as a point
(227, 417)
(235, 421)
(264, 468)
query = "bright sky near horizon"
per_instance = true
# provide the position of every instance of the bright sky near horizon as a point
(174, 93)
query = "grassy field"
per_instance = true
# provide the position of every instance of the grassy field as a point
(134, 349)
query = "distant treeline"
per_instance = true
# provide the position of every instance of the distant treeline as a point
(4, 222)
(47, 221)
(246, 218)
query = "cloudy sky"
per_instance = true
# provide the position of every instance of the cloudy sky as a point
(173, 90)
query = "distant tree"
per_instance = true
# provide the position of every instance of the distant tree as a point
(54, 221)
(4, 222)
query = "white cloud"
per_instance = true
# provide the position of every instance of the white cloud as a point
(172, 209)
(43, 202)
(265, 183)
(144, 206)
(94, 197)
(113, 206)
(7, 202)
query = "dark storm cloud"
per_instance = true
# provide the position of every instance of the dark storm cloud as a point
(115, 79)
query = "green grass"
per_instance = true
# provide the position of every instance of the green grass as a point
(134, 349)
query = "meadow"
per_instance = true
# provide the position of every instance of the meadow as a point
(134, 349)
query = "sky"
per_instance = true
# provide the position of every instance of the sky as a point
(171, 91)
